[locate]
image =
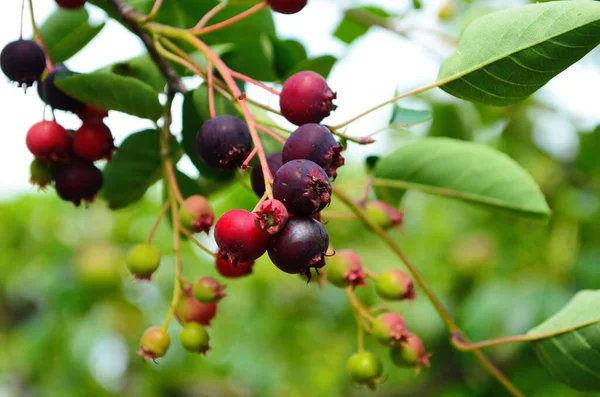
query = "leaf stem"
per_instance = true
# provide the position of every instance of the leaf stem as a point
(230, 21)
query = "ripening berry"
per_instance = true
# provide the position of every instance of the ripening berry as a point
(257, 178)
(395, 285)
(93, 141)
(364, 368)
(41, 173)
(70, 4)
(90, 113)
(287, 6)
(271, 216)
(208, 290)
(389, 328)
(238, 237)
(196, 214)
(143, 260)
(224, 142)
(194, 338)
(345, 269)
(77, 180)
(410, 353)
(385, 215)
(302, 186)
(189, 310)
(53, 96)
(227, 269)
(154, 344)
(47, 140)
(306, 98)
(23, 61)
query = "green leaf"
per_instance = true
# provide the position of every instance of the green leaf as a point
(142, 68)
(67, 32)
(112, 92)
(134, 168)
(402, 117)
(288, 53)
(465, 171)
(357, 21)
(572, 353)
(321, 65)
(449, 121)
(504, 57)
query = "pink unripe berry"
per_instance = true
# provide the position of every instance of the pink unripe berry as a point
(271, 216)
(345, 269)
(410, 353)
(208, 290)
(197, 214)
(395, 285)
(154, 344)
(390, 328)
(189, 310)
(385, 215)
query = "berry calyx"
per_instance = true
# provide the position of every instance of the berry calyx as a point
(314, 142)
(41, 173)
(208, 290)
(197, 214)
(224, 142)
(143, 260)
(53, 96)
(189, 310)
(227, 269)
(395, 285)
(238, 237)
(390, 329)
(154, 344)
(385, 215)
(77, 180)
(345, 269)
(274, 160)
(271, 216)
(364, 368)
(306, 98)
(47, 140)
(70, 4)
(302, 186)
(287, 6)
(93, 141)
(194, 338)
(23, 61)
(410, 353)
(300, 246)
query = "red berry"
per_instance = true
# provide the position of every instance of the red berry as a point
(224, 142)
(70, 4)
(271, 216)
(23, 61)
(238, 237)
(345, 269)
(227, 269)
(197, 214)
(257, 178)
(77, 180)
(287, 6)
(93, 141)
(306, 98)
(302, 186)
(314, 142)
(92, 113)
(47, 140)
(189, 310)
(155, 343)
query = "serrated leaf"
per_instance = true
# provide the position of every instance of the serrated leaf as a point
(572, 352)
(403, 117)
(357, 21)
(462, 170)
(504, 57)
(112, 92)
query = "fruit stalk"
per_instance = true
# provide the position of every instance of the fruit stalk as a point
(208, 16)
(162, 214)
(38, 37)
(230, 21)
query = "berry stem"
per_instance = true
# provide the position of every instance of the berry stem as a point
(257, 83)
(370, 274)
(246, 162)
(342, 216)
(360, 337)
(22, 19)
(361, 140)
(155, 9)
(177, 285)
(189, 235)
(163, 212)
(39, 38)
(359, 308)
(230, 21)
(209, 15)
(262, 200)
(365, 196)
(211, 91)
(271, 134)
(172, 180)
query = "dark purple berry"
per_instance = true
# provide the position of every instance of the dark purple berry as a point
(224, 142)
(77, 180)
(287, 6)
(306, 98)
(300, 246)
(257, 177)
(314, 142)
(70, 4)
(55, 97)
(23, 61)
(302, 186)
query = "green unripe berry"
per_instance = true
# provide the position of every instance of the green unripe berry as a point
(143, 260)
(364, 368)
(41, 173)
(345, 269)
(410, 353)
(395, 285)
(208, 290)
(194, 338)
(155, 343)
(384, 214)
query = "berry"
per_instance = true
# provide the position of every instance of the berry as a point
(23, 61)
(70, 4)
(306, 98)
(155, 343)
(287, 6)
(93, 141)
(302, 186)
(55, 97)
(271, 216)
(257, 177)
(41, 173)
(364, 368)
(143, 260)
(224, 142)
(238, 237)
(92, 113)
(390, 329)
(314, 142)
(196, 214)
(410, 353)
(227, 269)
(194, 338)
(189, 310)
(77, 180)
(345, 269)
(208, 290)
(301, 245)
(395, 285)
(47, 140)
(385, 215)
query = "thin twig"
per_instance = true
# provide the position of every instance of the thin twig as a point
(208, 16)
(163, 212)
(271, 134)
(257, 83)
(221, 25)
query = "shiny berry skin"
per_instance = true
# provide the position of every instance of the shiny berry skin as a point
(364, 368)
(389, 328)
(194, 338)
(47, 140)
(77, 180)
(302, 186)
(154, 344)
(70, 4)
(55, 97)
(257, 178)
(238, 237)
(227, 269)
(314, 142)
(23, 61)
(395, 285)
(306, 98)
(271, 216)
(189, 310)
(208, 290)
(345, 269)
(224, 142)
(143, 260)
(410, 353)
(92, 113)
(300, 246)
(196, 214)
(93, 141)
(41, 173)
(287, 6)
(385, 215)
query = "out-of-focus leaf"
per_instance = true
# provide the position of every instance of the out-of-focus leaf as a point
(357, 21)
